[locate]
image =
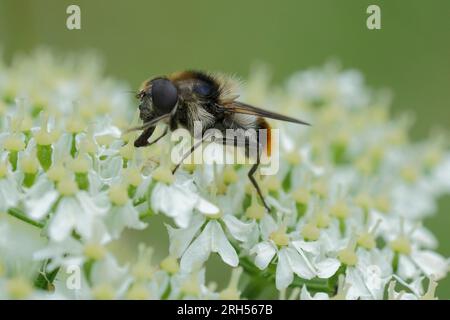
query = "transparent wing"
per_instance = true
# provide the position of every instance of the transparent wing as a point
(240, 107)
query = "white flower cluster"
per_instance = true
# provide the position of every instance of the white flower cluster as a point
(348, 200)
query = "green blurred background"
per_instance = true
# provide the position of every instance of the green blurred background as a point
(410, 55)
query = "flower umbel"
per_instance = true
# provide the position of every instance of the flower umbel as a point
(347, 203)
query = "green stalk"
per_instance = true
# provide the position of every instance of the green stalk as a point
(82, 180)
(44, 154)
(265, 278)
(45, 279)
(73, 148)
(28, 179)
(13, 156)
(19, 214)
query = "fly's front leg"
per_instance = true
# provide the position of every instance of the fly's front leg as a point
(172, 119)
(163, 134)
(142, 140)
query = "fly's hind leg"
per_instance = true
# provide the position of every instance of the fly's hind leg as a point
(254, 166)
(254, 182)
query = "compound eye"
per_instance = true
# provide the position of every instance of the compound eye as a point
(164, 95)
(204, 89)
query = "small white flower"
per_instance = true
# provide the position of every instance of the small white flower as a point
(277, 243)
(78, 213)
(179, 200)
(305, 295)
(211, 239)
(40, 198)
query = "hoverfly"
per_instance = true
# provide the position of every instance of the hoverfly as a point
(180, 99)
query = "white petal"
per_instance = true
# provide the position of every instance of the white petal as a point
(265, 251)
(99, 233)
(207, 207)
(122, 217)
(358, 287)
(175, 202)
(98, 205)
(95, 182)
(9, 194)
(109, 271)
(110, 168)
(442, 176)
(221, 245)
(143, 187)
(327, 267)
(198, 252)
(406, 268)
(298, 264)
(238, 229)
(64, 220)
(131, 217)
(305, 295)
(307, 246)
(268, 225)
(431, 263)
(284, 275)
(181, 238)
(424, 238)
(84, 224)
(40, 199)
(62, 147)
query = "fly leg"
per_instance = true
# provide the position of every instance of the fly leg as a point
(254, 167)
(163, 134)
(142, 140)
(254, 182)
(187, 154)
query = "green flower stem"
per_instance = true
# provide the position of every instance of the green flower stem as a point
(73, 148)
(29, 179)
(254, 289)
(36, 110)
(301, 209)
(167, 292)
(265, 278)
(339, 152)
(19, 214)
(13, 155)
(27, 135)
(131, 191)
(146, 214)
(44, 154)
(87, 268)
(45, 278)
(342, 225)
(82, 180)
(287, 181)
(395, 261)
